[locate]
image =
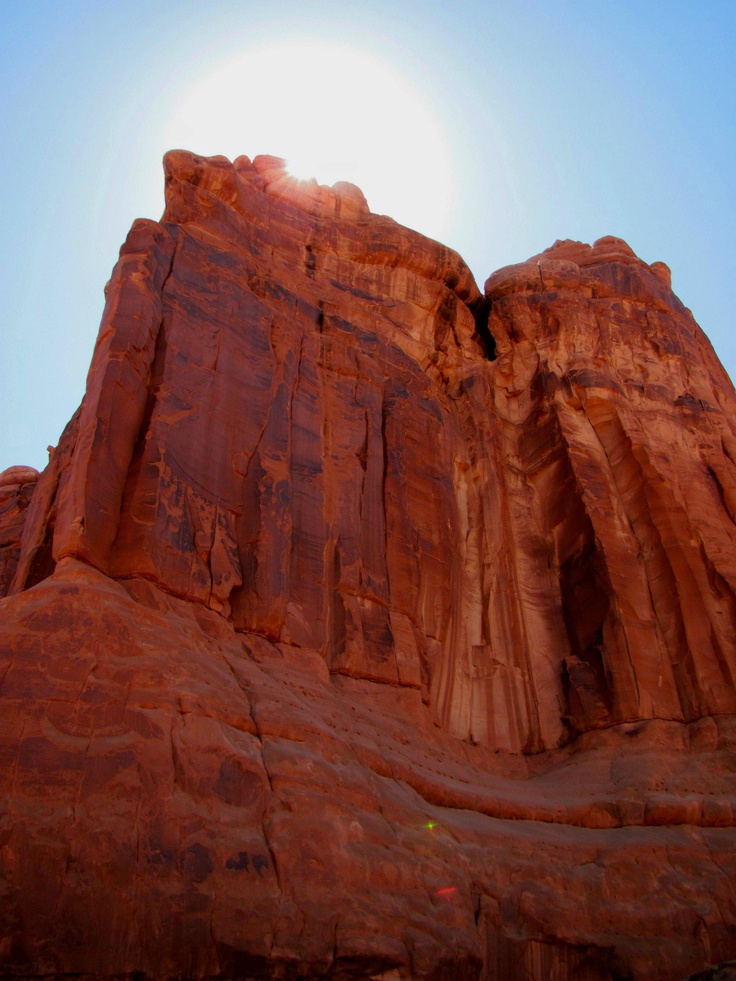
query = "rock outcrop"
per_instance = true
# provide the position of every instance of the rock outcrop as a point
(17, 485)
(363, 625)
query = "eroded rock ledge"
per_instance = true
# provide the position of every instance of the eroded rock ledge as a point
(366, 626)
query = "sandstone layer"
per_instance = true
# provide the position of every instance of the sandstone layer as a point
(363, 625)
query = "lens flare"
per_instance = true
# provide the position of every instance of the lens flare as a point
(335, 113)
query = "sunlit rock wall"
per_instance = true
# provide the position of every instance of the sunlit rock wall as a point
(364, 626)
(307, 418)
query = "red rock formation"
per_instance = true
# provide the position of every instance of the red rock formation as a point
(616, 423)
(17, 485)
(362, 626)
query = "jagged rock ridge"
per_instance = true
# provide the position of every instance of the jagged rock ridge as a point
(332, 540)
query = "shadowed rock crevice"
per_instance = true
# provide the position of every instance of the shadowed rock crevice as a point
(585, 596)
(486, 340)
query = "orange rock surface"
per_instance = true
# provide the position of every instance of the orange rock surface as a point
(364, 626)
(17, 485)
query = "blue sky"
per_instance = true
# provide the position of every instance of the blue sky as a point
(561, 119)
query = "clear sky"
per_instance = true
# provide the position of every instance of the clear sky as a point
(496, 126)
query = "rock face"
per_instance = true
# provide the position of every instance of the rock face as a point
(364, 626)
(17, 485)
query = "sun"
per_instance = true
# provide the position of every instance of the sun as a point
(333, 112)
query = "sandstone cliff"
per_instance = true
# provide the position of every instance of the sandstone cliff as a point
(363, 625)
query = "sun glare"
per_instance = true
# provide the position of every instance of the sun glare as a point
(334, 113)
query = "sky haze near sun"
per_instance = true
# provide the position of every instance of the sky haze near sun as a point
(495, 127)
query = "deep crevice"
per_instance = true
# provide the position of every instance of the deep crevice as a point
(481, 311)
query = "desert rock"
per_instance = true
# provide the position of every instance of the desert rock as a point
(365, 625)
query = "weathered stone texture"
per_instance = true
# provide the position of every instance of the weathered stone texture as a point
(17, 485)
(366, 626)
